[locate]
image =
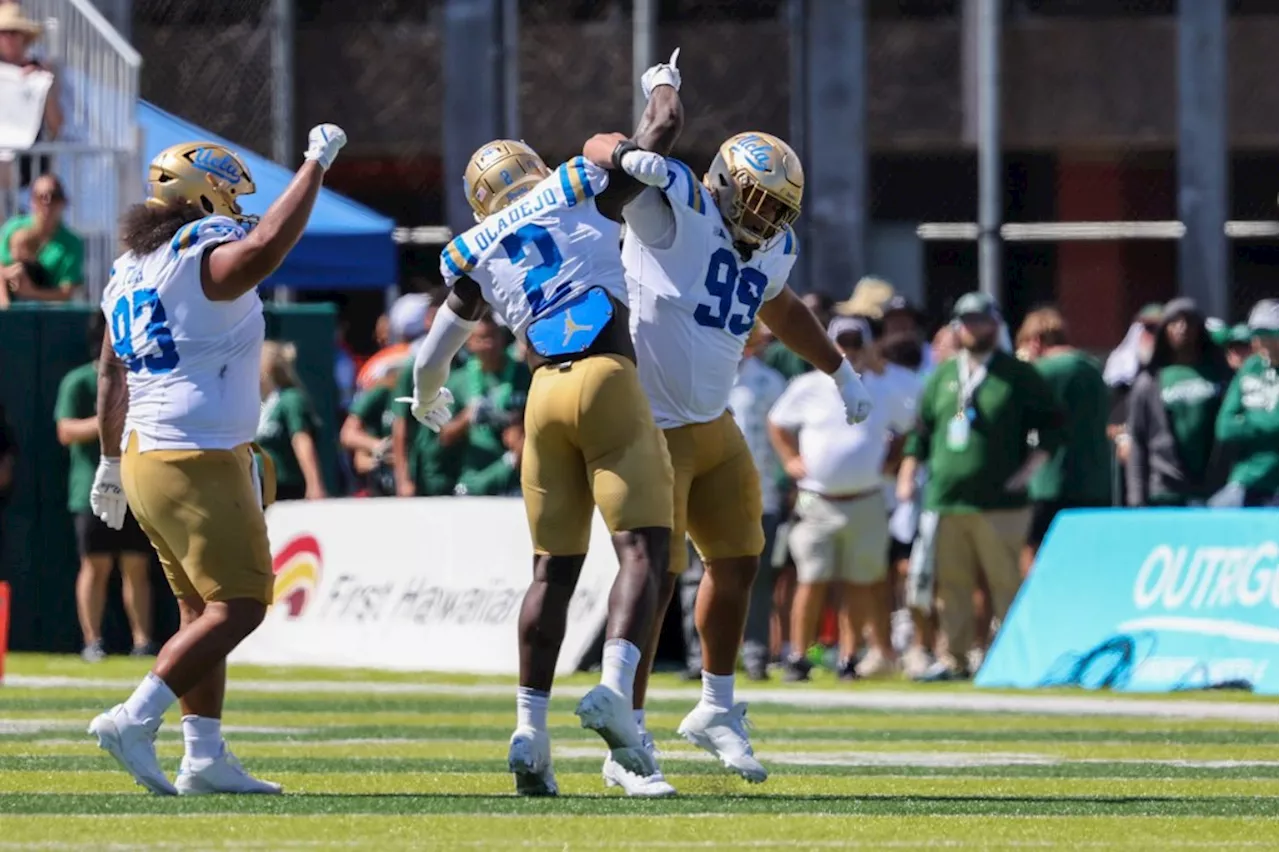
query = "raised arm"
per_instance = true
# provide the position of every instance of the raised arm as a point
(232, 269)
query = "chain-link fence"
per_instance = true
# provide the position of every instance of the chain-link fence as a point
(210, 63)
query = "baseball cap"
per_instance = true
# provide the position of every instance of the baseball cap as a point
(408, 317)
(845, 325)
(1265, 317)
(975, 303)
(898, 305)
(1152, 312)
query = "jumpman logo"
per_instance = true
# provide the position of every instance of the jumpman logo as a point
(571, 328)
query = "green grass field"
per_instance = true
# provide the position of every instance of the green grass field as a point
(381, 761)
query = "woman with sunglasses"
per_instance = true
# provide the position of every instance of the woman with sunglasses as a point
(41, 259)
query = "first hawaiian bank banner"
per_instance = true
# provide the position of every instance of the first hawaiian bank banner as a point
(425, 584)
(1152, 600)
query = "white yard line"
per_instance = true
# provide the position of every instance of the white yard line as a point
(922, 700)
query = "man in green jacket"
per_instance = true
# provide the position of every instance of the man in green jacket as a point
(1078, 474)
(75, 415)
(975, 420)
(1247, 422)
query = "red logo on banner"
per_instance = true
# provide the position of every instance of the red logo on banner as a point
(297, 571)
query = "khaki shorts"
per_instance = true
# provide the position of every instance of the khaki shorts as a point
(590, 441)
(202, 511)
(844, 540)
(717, 492)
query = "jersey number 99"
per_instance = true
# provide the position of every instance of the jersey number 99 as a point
(123, 316)
(724, 281)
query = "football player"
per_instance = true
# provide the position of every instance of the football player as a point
(705, 260)
(178, 404)
(544, 256)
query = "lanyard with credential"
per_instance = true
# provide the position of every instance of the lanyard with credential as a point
(968, 387)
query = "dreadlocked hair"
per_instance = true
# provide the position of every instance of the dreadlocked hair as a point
(148, 226)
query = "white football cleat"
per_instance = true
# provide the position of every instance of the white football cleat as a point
(530, 762)
(609, 714)
(133, 745)
(222, 774)
(724, 734)
(654, 786)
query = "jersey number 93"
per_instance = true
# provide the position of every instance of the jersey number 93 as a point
(145, 306)
(724, 281)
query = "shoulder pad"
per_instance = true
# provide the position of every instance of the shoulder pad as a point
(207, 231)
(580, 180)
(684, 188)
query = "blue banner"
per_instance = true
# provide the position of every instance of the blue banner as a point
(1151, 600)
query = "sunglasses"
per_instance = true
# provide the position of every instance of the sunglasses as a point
(1150, 327)
(49, 197)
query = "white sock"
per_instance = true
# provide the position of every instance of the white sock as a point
(531, 708)
(618, 667)
(149, 701)
(202, 737)
(717, 691)
(639, 714)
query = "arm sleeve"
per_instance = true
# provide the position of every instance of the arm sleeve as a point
(6, 232)
(788, 412)
(650, 218)
(456, 260)
(72, 272)
(431, 365)
(65, 407)
(581, 179)
(1232, 426)
(495, 479)
(297, 414)
(1136, 469)
(1044, 414)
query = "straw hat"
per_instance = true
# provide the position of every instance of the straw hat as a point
(868, 299)
(12, 20)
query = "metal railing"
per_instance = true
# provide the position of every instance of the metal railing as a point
(96, 154)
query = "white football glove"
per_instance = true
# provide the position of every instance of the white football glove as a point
(662, 74)
(323, 144)
(433, 413)
(107, 497)
(645, 166)
(857, 402)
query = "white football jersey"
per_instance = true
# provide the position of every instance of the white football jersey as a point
(545, 247)
(193, 363)
(694, 303)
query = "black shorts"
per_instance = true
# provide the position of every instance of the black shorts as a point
(1044, 511)
(93, 537)
(898, 550)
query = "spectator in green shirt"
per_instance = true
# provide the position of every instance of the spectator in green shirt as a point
(1173, 409)
(1078, 474)
(423, 466)
(976, 415)
(75, 414)
(41, 258)
(288, 426)
(489, 389)
(1247, 424)
(366, 432)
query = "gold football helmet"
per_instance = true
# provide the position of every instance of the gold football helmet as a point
(499, 173)
(204, 173)
(757, 183)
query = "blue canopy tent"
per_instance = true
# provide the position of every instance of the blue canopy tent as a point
(346, 245)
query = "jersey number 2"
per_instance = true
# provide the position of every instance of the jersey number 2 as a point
(724, 281)
(122, 318)
(517, 245)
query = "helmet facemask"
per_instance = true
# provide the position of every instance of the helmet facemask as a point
(754, 214)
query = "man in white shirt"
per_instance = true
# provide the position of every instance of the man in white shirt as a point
(842, 531)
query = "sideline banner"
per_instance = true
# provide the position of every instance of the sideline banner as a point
(1151, 600)
(422, 584)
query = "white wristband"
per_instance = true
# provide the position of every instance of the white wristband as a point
(844, 374)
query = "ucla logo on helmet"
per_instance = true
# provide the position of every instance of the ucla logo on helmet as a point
(487, 155)
(756, 151)
(221, 165)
